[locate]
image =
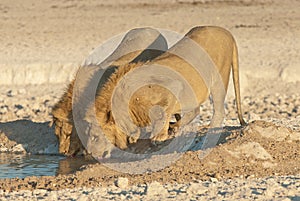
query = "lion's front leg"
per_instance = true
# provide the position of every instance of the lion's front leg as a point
(160, 122)
(162, 135)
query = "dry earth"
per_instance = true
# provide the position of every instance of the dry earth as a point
(42, 44)
(252, 158)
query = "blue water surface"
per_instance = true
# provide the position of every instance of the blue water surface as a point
(21, 166)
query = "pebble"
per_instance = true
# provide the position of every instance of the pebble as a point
(3, 149)
(22, 91)
(83, 198)
(155, 188)
(227, 190)
(214, 180)
(20, 103)
(122, 182)
(196, 189)
(19, 149)
(10, 93)
(14, 106)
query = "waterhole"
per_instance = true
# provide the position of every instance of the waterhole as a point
(21, 166)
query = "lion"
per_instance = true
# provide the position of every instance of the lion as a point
(217, 43)
(138, 45)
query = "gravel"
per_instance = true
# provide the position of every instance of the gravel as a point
(284, 188)
(32, 52)
(284, 110)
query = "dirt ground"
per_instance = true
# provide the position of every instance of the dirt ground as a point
(261, 149)
(38, 35)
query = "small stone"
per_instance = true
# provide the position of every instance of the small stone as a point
(4, 108)
(214, 180)
(19, 113)
(286, 183)
(52, 196)
(122, 182)
(155, 188)
(122, 197)
(3, 149)
(82, 198)
(36, 106)
(10, 93)
(268, 164)
(19, 148)
(196, 188)
(18, 106)
(22, 91)
(269, 192)
(41, 192)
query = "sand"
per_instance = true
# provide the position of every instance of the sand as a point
(43, 43)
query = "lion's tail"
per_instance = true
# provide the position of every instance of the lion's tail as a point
(236, 82)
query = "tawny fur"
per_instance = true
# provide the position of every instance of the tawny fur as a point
(220, 46)
(62, 119)
(69, 142)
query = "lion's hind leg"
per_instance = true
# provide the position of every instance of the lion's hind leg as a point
(218, 95)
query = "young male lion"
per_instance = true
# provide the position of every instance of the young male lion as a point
(183, 58)
(138, 45)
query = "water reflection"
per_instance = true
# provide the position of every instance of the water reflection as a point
(70, 165)
(16, 165)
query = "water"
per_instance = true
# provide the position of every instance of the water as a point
(21, 166)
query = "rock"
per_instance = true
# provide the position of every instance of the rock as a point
(52, 196)
(3, 149)
(290, 74)
(4, 109)
(286, 183)
(40, 192)
(155, 188)
(19, 113)
(19, 148)
(272, 131)
(82, 197)
(11, 93)
(22, 91)
(268, 164)
(19, 107)
(254, 149)
(122, 182)
(295, 136)
(196, 188)
(212, 179)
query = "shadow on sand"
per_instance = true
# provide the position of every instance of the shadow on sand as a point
(39, 141)
(35, 137)
(39, 138)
